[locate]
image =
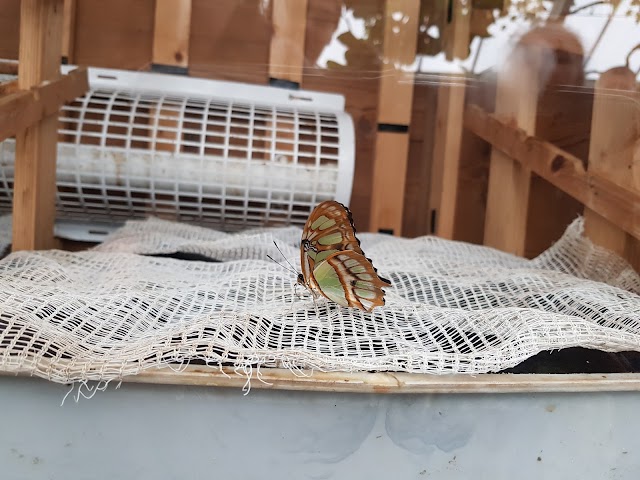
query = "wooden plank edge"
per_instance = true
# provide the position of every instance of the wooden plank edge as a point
(385, 382)
(617, 204)
(25, 108)
(9, 67)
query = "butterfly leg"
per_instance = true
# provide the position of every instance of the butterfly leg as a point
(315, 304)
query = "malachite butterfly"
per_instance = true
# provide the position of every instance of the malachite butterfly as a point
(333, 264)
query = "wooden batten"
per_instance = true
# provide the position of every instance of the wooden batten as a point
(20, 109)
(510, 181)
(69, 31)
(286, 54)
(8, 67)
(614, 155)
(390, 382)
(286, 63)
(395, 99)
(446, 150)
(524, 213)
(387, 201)
(172, 29)
(41, 23)
(446, 154)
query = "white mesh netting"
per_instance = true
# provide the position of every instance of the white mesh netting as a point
(453, 307)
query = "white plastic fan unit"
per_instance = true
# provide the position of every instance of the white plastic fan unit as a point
(219, 154)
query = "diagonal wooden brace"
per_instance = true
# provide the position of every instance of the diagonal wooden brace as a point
(619, 205)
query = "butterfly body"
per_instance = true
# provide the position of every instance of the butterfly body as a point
(333, 264)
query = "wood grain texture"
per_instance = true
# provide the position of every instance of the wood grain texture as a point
(389, 174)
(286, 54)
(69, 31)
(457, 32)
(395, 100)
(9, 67)
(392, 382)
(9, 28)
(230, 40)
(448, 136)
(615, 155)
(399, 56)
(34, 194)
(446, 153)
(473, 170)
(618, 204)
(172, 29)
(509, 181)
(114, 34)
(416, 219)
(24, 108)
(525, 215)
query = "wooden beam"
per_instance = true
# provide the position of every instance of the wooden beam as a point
(24, 108)
(518, 218)
(380, 383)
(286, 56)
(69, 31)
(446, 154)
(446, 149)
(387, 200)
(172, 30)
(399, 56)
(614, 154)
(34, 196)
(509, 181)
(619, 205)
(395, 99)
(391, 382)
(458, 31)
(8, 67)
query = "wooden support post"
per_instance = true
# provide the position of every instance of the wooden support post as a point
(615, 155)
(21, 109)
(509, 181)
(458, 31)
(525, 214)
(561, 169)
(34, 195)
(69, 31)
(395, 100)
(286, 57)
(172, 29)
(446, 156)
(446, 150)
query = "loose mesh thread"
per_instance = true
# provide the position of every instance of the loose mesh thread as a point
(453, 307)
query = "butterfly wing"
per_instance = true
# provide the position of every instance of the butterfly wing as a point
(349, 279)
(328, 230)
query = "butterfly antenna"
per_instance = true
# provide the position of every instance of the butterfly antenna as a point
(285, 258)
(283, 266)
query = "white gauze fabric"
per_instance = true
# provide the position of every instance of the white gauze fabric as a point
(453, 307)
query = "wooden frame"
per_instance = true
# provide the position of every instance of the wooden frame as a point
(31, 114)
(393, 383)
(28, 109)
